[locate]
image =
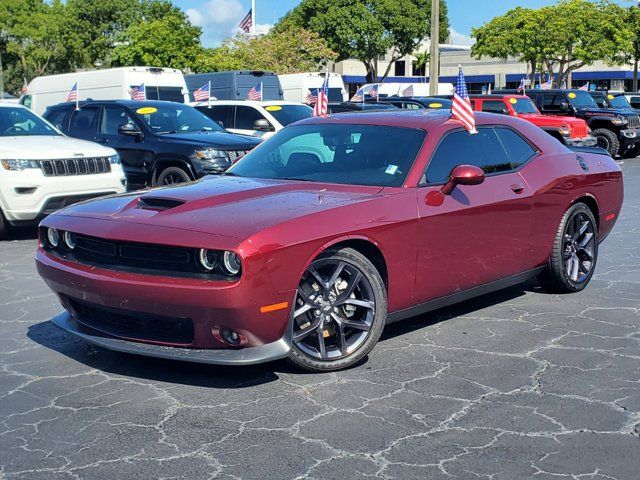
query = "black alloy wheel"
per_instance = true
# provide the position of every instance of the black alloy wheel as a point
(339, 311)
(575, 251)
(172, 176)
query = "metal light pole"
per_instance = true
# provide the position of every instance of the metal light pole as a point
(434, 54)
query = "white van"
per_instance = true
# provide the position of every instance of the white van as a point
(42, 170)
(297, 86)
(110, 84)
(419, 89)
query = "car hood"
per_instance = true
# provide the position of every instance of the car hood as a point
(225, 140)
(550, 121)
(606, 112)
(49, 147)
(223, 205)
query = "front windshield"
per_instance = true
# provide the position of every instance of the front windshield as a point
(335, 153)
(523, 105)
(176, 118)
(286, 114)
(619, 101)
(581, 99)
(18, 121)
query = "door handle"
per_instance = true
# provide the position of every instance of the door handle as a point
(517, 187)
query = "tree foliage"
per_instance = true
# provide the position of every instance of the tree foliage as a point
(285, 51)
(561, 37)
(367, 29)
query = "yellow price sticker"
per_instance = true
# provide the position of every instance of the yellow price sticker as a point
(273, 108)
(513, 100)
(610, 97)
(146, 110)
(435, 105)
(572, 95)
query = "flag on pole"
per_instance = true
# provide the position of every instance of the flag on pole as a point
(72, 96)
(203, 93)
(585, 87)
(461, 108)
(24, 87)
(138, 93)
(548, 84)
(373, 92)
(358, 96)
(407, 92)
(247, 22)
(321, 108)
(255, 93)
(312, 97)
(521, 87)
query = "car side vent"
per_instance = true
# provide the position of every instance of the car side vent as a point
(159, 204)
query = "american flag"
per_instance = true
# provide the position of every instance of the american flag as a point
(246, 22)
(521, 88)
(373, 92)
(461, 108)
(255, 93)
(312, 97)
(24, 87)
(358, 96)
(321, 108)
(408, 92)
(72, 96)
(203, 93)
(138, 93)
(548, 84)
(585, 87)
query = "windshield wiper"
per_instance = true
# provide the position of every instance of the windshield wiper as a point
(169, 131)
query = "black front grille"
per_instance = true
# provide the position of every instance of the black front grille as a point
(133, 325)
(235, 155)
(75, 166)
(634, 121)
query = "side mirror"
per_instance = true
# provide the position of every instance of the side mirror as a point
(262, 125)
(564, 106)
(129, 129)
(463, 175)
(220, 123)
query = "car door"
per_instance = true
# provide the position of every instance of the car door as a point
(221, 114)
(245, 119)
(84, 123)
(133, 154)
(479, 233)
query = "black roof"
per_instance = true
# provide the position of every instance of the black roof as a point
(125, 103)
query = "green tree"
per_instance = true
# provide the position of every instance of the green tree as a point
(630, 51)
(366, 29)
(170, 41)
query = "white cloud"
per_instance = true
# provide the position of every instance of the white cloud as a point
(219, 19)
(460, 38)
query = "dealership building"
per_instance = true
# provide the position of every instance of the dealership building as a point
(481, 73)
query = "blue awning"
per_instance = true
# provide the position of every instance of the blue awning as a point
(598, 75)
(452, 79)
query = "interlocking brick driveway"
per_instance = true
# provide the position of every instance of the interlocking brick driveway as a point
(519, 384)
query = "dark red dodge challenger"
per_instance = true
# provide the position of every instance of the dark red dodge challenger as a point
(327, 231)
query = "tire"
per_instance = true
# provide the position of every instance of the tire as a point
(631, 153)
(607, 140)
(339, 312)
(172, 176)
(574, 254)
(4, 227)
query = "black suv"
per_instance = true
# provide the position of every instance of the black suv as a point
(160, 143)
(348, 107)
(617, 130)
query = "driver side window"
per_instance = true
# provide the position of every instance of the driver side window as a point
(246, 117)
(112, 119)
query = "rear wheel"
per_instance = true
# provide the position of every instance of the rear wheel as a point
(3, 226)
(172, 176)
(339, 312)
(607, 140)
(575, 252)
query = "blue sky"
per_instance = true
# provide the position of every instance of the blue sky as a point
(219, 18)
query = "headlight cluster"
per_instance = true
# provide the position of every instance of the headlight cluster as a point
(211, 154)
(619, 121)
(114, 159)
(215, 260)
(20, 164)
(55, 238)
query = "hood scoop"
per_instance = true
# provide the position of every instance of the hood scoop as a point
(158, 204)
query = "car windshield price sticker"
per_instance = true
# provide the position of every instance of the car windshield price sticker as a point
(273, 108)
(146, 110)
(572, 95)
(435, 105)
(513, 100)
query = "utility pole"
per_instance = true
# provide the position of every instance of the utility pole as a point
(434, 54)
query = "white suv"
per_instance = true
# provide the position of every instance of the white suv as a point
(258, 119)
(42, 170)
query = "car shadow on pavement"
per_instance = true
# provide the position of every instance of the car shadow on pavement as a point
(22, 233)
(218, 376)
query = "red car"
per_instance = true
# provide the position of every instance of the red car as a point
(327, 231)
(569, 130)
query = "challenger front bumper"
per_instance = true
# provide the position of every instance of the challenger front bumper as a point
(242, 356)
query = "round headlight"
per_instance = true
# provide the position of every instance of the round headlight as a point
(70, 240)
(53, 236)
(231, 263)
(208, 259)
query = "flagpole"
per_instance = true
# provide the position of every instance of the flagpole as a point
(253, 17)
(77, 95)
(209, 101)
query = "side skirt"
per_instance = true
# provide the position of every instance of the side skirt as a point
(462, 296)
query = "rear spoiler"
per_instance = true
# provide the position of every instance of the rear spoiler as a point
(596, 150)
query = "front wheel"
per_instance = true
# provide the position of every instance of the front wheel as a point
(339, 312)
(3, 226)
(608, 140)
(172, 175)
(575, 252)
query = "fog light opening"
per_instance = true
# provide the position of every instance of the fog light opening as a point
(230, 337)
